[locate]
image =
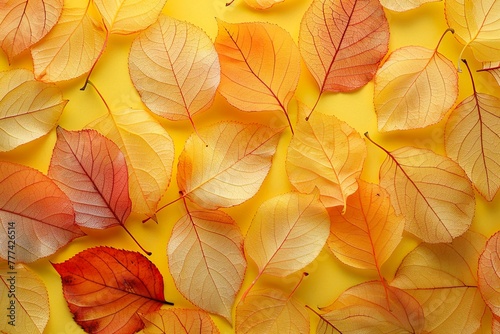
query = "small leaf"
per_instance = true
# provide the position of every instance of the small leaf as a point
(404, 5)
(179, 321)
(38, 212)
(29, 109)
(206, 260)
(107, 288)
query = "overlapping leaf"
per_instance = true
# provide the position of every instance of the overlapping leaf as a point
(38, 212)
(178, 321)
(226, 163)
(404, 5)
(488, 275)
(492, 68)
(25, 22)
(29, 109)
(206, 260)
(175, 68)
(106, 288)
(442, 277)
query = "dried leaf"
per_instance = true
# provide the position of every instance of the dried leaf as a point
(271, 311)
(369, 230)
(71, 47)
(129, 16)
(25, 22)
(227, 166)
(488, 276)
(262, 4)
(23, 299)
(287, 233)
(325, 153)
(175, 68)
(179, 321)
(343, 41)
(29, 109)
(404, 5)
(206, 260)
(38, 212)
(106, 288)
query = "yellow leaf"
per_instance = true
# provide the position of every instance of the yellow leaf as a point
(29, 109)
(175, 69)
(178, 321)
(129, 16)
(71, 47)
(325, 153)
(404, 5)
(262, 4)
(489, 276)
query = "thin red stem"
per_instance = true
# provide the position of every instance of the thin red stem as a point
(133, 238)
(229, 3)
(164, 206)
(105, 44)
(304, 274)
(100, 95)
(323, 318)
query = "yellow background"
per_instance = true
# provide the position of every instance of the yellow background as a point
(328, 277)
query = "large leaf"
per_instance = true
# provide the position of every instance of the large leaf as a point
(107, 288)
(226, 163)
(404, 5)
(442, 277)
(25, 22)
(29, 109)
(206, 260)
(36, 217)
(488, 275)
(343, 41)
(325, 153)
(175, 68)
(179, 321)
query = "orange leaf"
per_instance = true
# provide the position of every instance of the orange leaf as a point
(206, 260)
(72, 47)
(325, 153)
(260, 66)
(175, 68)
(179, 321)
(226, 163)
(363, 309)
(488, 275)
(35, 211)
(369, 230)
(271, 311)
(23, 299)
(106, 288)
(25, 22)
(29, 109)
(343, 41)
(404, 5)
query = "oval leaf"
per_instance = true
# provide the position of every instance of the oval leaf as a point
(36, 210)
(206, 260)
(178, 321)
(287, 233)
(226, 167)
(29, 109)
(343, 41)
(175, 68)
(106, 288)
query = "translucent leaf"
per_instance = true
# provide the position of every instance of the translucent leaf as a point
(262, 4)
(404, 5)
(179, 321)
(488, 275)
(492, 68)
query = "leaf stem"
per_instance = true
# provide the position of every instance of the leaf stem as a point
(229, 3)
(315, 104)
(323, 318)
(104, 45)
(251, 286)
(470, 75)
(100, 95)
(378, 145)
(164, 206)
(304, 274)
(137, 242)
(442, 36)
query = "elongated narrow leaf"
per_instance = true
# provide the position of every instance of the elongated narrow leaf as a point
(92, 171)
(404, 5)
(179, 321)
(325, 153)
(23, 299)
(226, 163)
(442, 277)
(29, 109)
(343, 41)
(148, 150)
(25, 22)
(107, 288)
(287, 233)
(175, 68)
(488, 275)
(369, 230)
(36, 217)
(206, 260)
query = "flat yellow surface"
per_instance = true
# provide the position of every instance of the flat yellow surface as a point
(328, 277)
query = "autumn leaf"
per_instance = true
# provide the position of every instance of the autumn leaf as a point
(488, 276)
(472, 138)
(260, 66)
(325, 153)
(226, 163)
(23, 299)
(206, 260)
(431, 191)
(25, 22)
(442, 277)
(29, 109)
(492, 68)
(414, 88)
(404, 5)
(175, 68)
(363, 308)
(178, 321)
(37, 218)
(107, 288)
